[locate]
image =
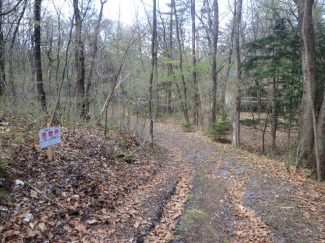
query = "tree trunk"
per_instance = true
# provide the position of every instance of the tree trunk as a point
(214, 29)
(308, 101)
(153, 62)
(93, 58)
(184, 105)
(236, 89)
(259, 105)
(2, 55)
(170, 66)
(196, 98)
(80, 60)
(37, 53)
(321, 140)
(10, 52)
(2, 60)
(274, 117)
(308, 51)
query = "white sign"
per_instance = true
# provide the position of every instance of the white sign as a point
(49, 136)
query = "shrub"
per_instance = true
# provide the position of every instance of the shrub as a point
(221, 128)
(187, 127)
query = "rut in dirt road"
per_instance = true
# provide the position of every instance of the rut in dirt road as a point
(236, 198)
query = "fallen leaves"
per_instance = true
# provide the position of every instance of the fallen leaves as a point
(81, 228)
(249, 227)
(84, 178)
(42, 226)
(136, 224)
(164, 230)
(92, 221)
(33, 194)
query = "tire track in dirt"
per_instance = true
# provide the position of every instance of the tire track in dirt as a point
(215, 212)
(142, 210)
(238, 196)
(207, 217)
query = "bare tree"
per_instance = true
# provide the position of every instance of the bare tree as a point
(80, 59)
(153, 58)
(309, 136)
(180, 53)
(2, 53)
(196, 96)
(170, 56)
(308, 101)
(93, 55)
(321, 141)
(37, 53)
(10, 51)
(236, 88)
(213, 30)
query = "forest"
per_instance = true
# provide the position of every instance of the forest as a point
(198, 121)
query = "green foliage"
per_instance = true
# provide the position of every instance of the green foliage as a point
(251, 122)
(192, 215)
(124, 157)
(187, 127)
(276, 56)
(221, 128)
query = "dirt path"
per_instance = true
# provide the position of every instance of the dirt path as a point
(96, 194)
(242, 197)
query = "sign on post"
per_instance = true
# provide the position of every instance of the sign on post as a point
(49, 136)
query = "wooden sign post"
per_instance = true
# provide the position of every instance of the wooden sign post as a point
(49, 149)
(49, 137)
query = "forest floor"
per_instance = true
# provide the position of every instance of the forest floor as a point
(117, 191)
(186, 189)
(239, 196)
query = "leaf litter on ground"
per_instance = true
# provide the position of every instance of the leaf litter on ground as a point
(88, 193)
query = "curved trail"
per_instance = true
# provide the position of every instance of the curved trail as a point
(242, 197)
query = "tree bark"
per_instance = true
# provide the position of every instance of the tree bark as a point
(180, 52)
(170, 57)
(214, 29)
(2, 55)
(93, 56)
(308, 53)
(80, 60)
(274, 116)
(37, 53)
(307, 45)
(321, 140)
(10, 76)
(153, 59)
(236, 89)
(196, 97)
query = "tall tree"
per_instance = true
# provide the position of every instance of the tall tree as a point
(196, 98)
(153, 58)
(170, 56)
(93, 55)
(180, 53)
(308, 123)
(307, 48)
(80, 59)
(236, 88)
(11, 46)
(37, 53)
(321, 141)
(214, 31)
(2, 53)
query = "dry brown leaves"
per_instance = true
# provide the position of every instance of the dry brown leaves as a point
(310, 195)
(164, 230)
(84, 178)
(248, 226)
